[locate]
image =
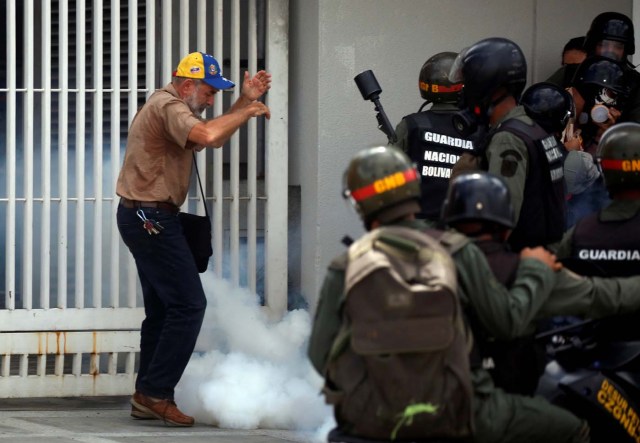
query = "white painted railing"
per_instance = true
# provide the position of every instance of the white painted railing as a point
(71, 313)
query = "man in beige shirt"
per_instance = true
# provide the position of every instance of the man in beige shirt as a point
(152, 185)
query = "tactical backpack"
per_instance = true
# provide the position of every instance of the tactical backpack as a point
(399, 368)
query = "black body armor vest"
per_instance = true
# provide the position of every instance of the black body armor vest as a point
(542, 215)
(612, 248)
(434, 146)
(517, 363)
(608, 249)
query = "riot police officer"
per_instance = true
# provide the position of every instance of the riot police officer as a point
(479, 206)
(610, 238)
(499, 416)
(601, 87)
(429, 138)
(601, 84)
(514, 147)
(611, 35)
(550, 106)
(553, 108)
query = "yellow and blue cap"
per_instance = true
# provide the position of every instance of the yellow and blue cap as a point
(204, 67)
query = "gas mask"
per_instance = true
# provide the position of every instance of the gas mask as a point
(603, 85)
(471, 121)
(466, 122)
(601, 100)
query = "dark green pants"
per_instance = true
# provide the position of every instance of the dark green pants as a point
(506, 418)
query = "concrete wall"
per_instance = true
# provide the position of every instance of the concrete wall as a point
(334, 40)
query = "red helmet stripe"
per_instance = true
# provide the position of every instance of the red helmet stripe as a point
(453, 88)
(385, 184)
(611, 164)
(621, 165)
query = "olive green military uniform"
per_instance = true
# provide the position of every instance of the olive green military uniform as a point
(508, 157)
(537, 292)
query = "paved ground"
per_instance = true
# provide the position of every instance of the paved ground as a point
(106, 420)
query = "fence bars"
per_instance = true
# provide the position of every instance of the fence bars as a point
(78, 286)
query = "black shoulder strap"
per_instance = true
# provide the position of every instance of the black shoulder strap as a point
(528, 133)
(204, 200)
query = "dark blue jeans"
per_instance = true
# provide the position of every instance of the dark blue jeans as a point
(174, 300)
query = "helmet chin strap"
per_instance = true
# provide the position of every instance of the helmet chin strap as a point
(500, 99)
(496, 102)
(427, 102)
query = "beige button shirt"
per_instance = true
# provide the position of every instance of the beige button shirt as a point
(158, 158)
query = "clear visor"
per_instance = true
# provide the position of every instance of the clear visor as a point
(455, 73)
(611, 49)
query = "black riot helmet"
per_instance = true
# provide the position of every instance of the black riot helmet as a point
(382, 184)
(434, 83)
(611, 26)
(549, 105)
(619, 156)
(484, 68)
(478, 196)
(602, 80)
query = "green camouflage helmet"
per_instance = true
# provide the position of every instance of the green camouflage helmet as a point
(378, 180)
(619, 156)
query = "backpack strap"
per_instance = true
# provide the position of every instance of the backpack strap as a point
(451, 240)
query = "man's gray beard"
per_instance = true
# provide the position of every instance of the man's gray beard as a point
(190, 101)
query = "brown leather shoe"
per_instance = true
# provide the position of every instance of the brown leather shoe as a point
(165, 410)
(137, 414)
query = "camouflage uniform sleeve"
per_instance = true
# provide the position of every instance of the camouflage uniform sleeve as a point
(508, 158)
(402, 134)
(327, 319)
(505, 313)
(591, 297)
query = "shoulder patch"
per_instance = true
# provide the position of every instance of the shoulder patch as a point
(510, 160)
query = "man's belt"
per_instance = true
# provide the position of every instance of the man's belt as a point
(158, 205)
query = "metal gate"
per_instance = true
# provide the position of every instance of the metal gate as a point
(72, 77)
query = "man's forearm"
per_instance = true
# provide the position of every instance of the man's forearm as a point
(215, 133)
(240, 103)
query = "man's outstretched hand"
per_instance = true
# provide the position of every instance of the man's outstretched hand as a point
(255, 87)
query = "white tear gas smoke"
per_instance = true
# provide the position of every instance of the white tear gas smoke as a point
(249, 372)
